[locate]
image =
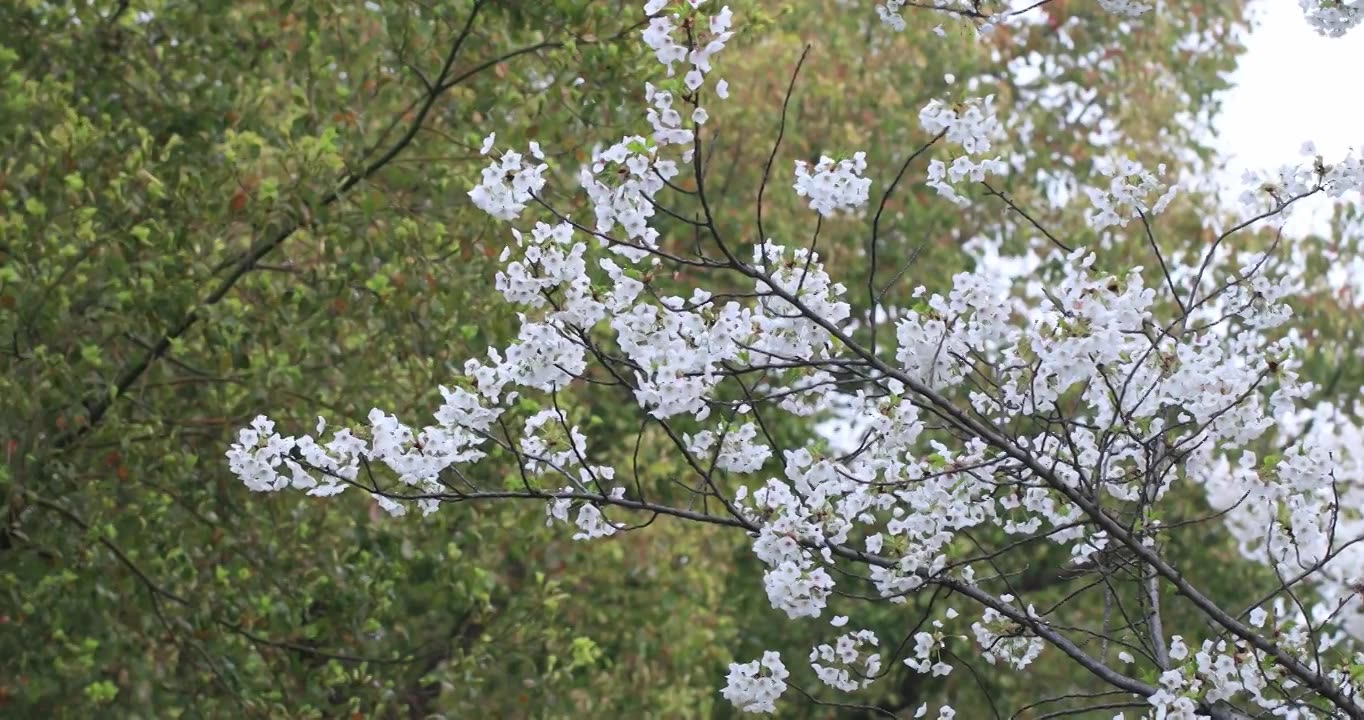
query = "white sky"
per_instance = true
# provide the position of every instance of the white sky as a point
(1292, 85)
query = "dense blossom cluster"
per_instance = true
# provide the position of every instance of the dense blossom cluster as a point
(889, 12)
(833, 185)
(739, 452)
(1129, 8)
(957, 419)
(972, 125)
(1129, 195)
(755, 686)
(509, 184)
(1333, 18)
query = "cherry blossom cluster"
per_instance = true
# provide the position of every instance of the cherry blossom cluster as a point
(844, 665)
(795, 581)
(1001, 638)
(1128, 8)
(1222, 670)
(509, 184)
(755, 686)
(623, 179)
(1293, 516)
(928, 648)
(1333, 18)
(834, 185)
(267, 461)
(1278, 190)
(889, 12)
(591, 522)
(740, 451)
(1129, 194)
(972, 125)
(698, 51)
(622, 182)
(547, 259)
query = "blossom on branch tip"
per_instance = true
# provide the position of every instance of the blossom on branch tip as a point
(1333, 18)
(754, 687)
(843, 665)
(509, 183)
(834, 185)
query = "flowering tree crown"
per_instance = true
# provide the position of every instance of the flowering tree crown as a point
(1063, 404)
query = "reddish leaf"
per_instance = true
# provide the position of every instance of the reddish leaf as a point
(238, 201)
